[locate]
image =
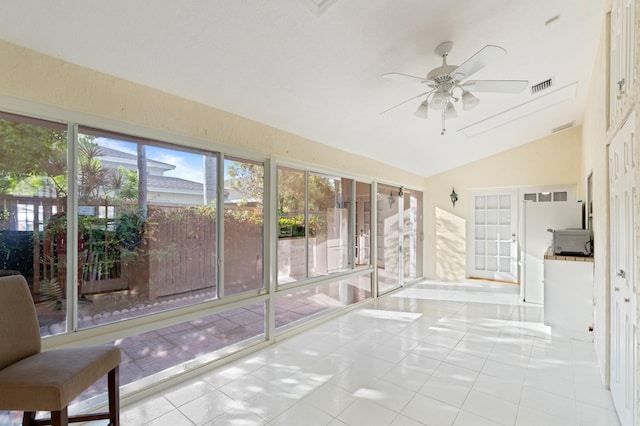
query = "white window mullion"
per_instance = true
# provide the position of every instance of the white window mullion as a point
(271, 246)
(220, 226)
(72, 228)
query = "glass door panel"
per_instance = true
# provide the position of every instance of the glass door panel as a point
(494, 255)
(389, 243)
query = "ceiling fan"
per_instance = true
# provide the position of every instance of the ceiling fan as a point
(447, 84)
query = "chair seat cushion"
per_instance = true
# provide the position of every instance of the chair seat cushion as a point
(49, 381)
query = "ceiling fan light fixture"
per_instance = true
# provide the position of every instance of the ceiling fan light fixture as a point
(438, 100)
(469, 101)
(422, 110)
(448, 84)
(450, 111)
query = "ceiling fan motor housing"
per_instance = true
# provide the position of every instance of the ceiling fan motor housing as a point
(442, 73)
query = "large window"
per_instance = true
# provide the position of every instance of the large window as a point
(139, 228)
(319, 231)
(243, 225)
(147, 227)
(329, 224)
(159, 248)
(33, 202)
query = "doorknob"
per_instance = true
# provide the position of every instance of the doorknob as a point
(626, 300)
(621, 274)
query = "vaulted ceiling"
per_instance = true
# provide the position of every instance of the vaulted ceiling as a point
(314, 67)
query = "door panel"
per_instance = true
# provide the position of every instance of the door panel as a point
(622, 166)
(389, 244)
(494, 254)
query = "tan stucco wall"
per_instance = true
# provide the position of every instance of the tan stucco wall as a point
(28, 75)
(554, 160)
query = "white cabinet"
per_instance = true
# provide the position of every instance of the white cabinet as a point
(568, 294)
(622, 56)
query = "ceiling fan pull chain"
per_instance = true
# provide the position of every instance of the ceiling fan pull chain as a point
(443, 129)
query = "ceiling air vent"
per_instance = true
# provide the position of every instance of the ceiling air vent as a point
(564, 126)
(544, 85)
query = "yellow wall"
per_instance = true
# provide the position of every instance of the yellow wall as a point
(553, 160)
(28, 75)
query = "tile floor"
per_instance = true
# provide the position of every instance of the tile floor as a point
(430, 354)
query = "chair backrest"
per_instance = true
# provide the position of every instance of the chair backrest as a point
(19, 330)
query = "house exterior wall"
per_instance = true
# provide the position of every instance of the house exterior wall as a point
(548, 161)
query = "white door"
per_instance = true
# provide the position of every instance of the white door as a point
(494, 253)
(622, 166)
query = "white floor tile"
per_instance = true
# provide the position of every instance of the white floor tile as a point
(337, 422)
(430, 411)
(145, 411)
(331, 399)
(548, 382)
(353, 380)
(207, 407)
(368, 413)
(173, 418)
(490, 407)
(591, 415)
(549, 403)
(595, 395)
(467, 419)
(407, 377)
(302, 413)
(188, 391)
(478, 357)
(269, 405)
(450, 390)
(505, 371)
(405, 421)
(237, 417)
(533, 417)
(429, 350)
(466, 360)
(386, 394)
(510, 390)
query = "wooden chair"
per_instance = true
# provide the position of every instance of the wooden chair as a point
(31, 380)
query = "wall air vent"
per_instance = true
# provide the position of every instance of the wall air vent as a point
(543, 85)
(564, 126)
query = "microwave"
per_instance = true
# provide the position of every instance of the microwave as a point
(572, 242)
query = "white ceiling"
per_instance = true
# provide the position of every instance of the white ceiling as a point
(313, 67)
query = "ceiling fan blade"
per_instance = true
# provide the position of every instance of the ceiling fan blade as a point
(404, 77)
(478, 61)
(404, 102)
(500, 86)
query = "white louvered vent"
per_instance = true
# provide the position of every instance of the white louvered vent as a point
(562, 127)
(543, 85)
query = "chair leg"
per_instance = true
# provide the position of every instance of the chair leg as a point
(28, 417)
(113, 380)
(60, 418)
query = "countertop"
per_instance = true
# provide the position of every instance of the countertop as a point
(550, 256)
